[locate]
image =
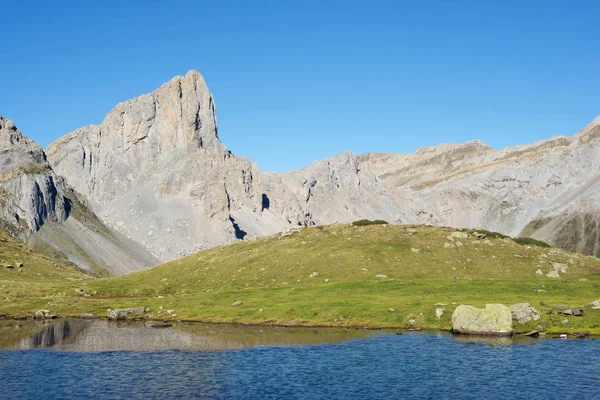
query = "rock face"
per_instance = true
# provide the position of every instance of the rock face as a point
(523, 313)
(155, 171)
(495, 319)
(29, 193)
(37, 206)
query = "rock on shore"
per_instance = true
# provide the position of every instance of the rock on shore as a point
(493, 320)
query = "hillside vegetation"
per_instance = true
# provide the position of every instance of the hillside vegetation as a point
(344, 275)
(27, 276)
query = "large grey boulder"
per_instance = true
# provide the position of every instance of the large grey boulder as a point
(125, 313)
(494, 320)
(523, 313)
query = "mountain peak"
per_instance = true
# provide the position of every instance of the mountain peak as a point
(19, 148)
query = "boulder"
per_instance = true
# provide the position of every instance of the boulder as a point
(459, 235)
(125, 313)
(238, 303)
(553, 274)
(577, 311)
(595, 304)
(43, 314)
(87, 316)
(439, 312)
(523, 313)
(494, 319)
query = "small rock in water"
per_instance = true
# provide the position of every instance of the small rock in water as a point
(535, 333)
(160, 325)
(563, 336)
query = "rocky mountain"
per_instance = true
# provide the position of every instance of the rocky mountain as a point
(37, 206)
(155, 171)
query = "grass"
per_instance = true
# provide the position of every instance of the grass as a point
(366, 222)
(527, 241)
(339, 275)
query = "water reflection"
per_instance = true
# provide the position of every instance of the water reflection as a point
(83, 335)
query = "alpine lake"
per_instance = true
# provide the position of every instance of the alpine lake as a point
(97, 359)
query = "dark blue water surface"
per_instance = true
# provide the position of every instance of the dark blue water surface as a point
(417, 366)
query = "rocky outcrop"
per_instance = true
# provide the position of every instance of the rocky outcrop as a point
(523, 313)
(29, 190)
(156, 172)
(38, 207)
(493, 320)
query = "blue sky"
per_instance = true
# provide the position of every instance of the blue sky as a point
(299, 81)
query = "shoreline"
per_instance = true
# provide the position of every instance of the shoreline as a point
(547, 334)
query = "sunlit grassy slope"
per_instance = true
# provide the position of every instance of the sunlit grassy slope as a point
(341, 275)
(38, 277)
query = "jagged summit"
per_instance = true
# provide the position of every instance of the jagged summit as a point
(140, 138)
(17, 149)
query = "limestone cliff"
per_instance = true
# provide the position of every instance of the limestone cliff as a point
(37, 206)
(28, 188)
(156, 171)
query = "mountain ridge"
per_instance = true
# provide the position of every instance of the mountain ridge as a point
(156, 172)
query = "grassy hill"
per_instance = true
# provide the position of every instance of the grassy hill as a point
(37, 277)
(341, 275)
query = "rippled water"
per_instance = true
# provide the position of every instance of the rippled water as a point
(291, 364)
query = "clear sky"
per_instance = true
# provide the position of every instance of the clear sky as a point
(298, 81)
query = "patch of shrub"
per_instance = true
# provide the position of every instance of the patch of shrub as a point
(365, 222)
(493, 235)
(527, 241)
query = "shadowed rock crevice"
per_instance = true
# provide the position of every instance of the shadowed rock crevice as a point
(239, 233)
(266, 203)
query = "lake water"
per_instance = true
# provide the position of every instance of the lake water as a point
(99, 360)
